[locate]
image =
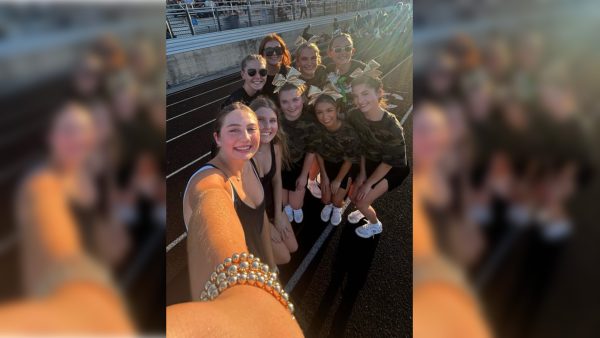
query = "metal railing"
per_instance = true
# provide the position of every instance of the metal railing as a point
(188, 19)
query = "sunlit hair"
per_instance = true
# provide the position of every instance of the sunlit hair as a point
(373, 83)
(280, 138)
(253, 57)
(303, 47)
(218, 124)
(286, 58)
(346, 35)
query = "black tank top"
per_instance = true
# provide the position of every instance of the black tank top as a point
(267, 183)
(252, 221)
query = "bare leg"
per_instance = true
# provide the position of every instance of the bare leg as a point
(364, 205)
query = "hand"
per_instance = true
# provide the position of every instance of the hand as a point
(301, 183)
(275, 235)
(363, 191)
(335, 185)
(280, 225)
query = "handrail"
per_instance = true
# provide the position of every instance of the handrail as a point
(193, 19)
(175, 46)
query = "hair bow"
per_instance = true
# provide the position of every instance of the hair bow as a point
(314, 93)
(370, 70)
(300, 40)
(293, 77)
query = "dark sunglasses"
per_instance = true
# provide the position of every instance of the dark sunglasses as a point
(269, 51)
(251, 72)
(340, 49)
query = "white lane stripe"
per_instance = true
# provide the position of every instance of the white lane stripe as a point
(187, 165)
(308, 259)
(176, 241)
(406, 115)
(398, 65)
(189, 111)
(206, 92)
(191, 130)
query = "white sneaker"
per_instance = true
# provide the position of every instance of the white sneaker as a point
(336, 216)
(314, 189)
(289, 212)
(369, 230)
(326, 212)
(355, 216)
(298, 216)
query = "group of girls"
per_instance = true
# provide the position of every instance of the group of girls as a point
(286, 124)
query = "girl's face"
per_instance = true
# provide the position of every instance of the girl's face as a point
(341, 51)
(430, 135)
(72, 138)
(239, 136)
(291, 103)
(256, 81)
(267, 121)
(276, 50)
(307, 62)
(327, 114)
(366, 98)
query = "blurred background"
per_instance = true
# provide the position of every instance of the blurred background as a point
(505, 133)
(83, 101)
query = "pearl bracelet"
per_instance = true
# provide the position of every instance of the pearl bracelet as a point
(245, 269)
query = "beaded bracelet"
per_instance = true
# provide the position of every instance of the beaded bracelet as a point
(245, 269)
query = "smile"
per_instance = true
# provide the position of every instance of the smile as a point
(245, 148)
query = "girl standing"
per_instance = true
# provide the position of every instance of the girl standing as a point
(254, 74)
(274, 50)
(308, 62)
(340, 50)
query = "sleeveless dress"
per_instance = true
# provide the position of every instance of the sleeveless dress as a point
(251, 218)
(267, 184)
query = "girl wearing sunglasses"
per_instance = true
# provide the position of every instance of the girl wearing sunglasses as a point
(340, 50)
(274, 50)
(254, 74)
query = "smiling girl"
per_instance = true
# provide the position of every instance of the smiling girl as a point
(271, 154)
(296, 125)
(340, 50)
(230, 173)
(384, 165)
(338, 153)
(254, 74)
(274, 50)
(308, 62)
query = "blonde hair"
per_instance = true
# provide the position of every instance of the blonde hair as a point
(303, 47)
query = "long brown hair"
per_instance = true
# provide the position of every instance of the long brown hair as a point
(286, 60)
(280, 138)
